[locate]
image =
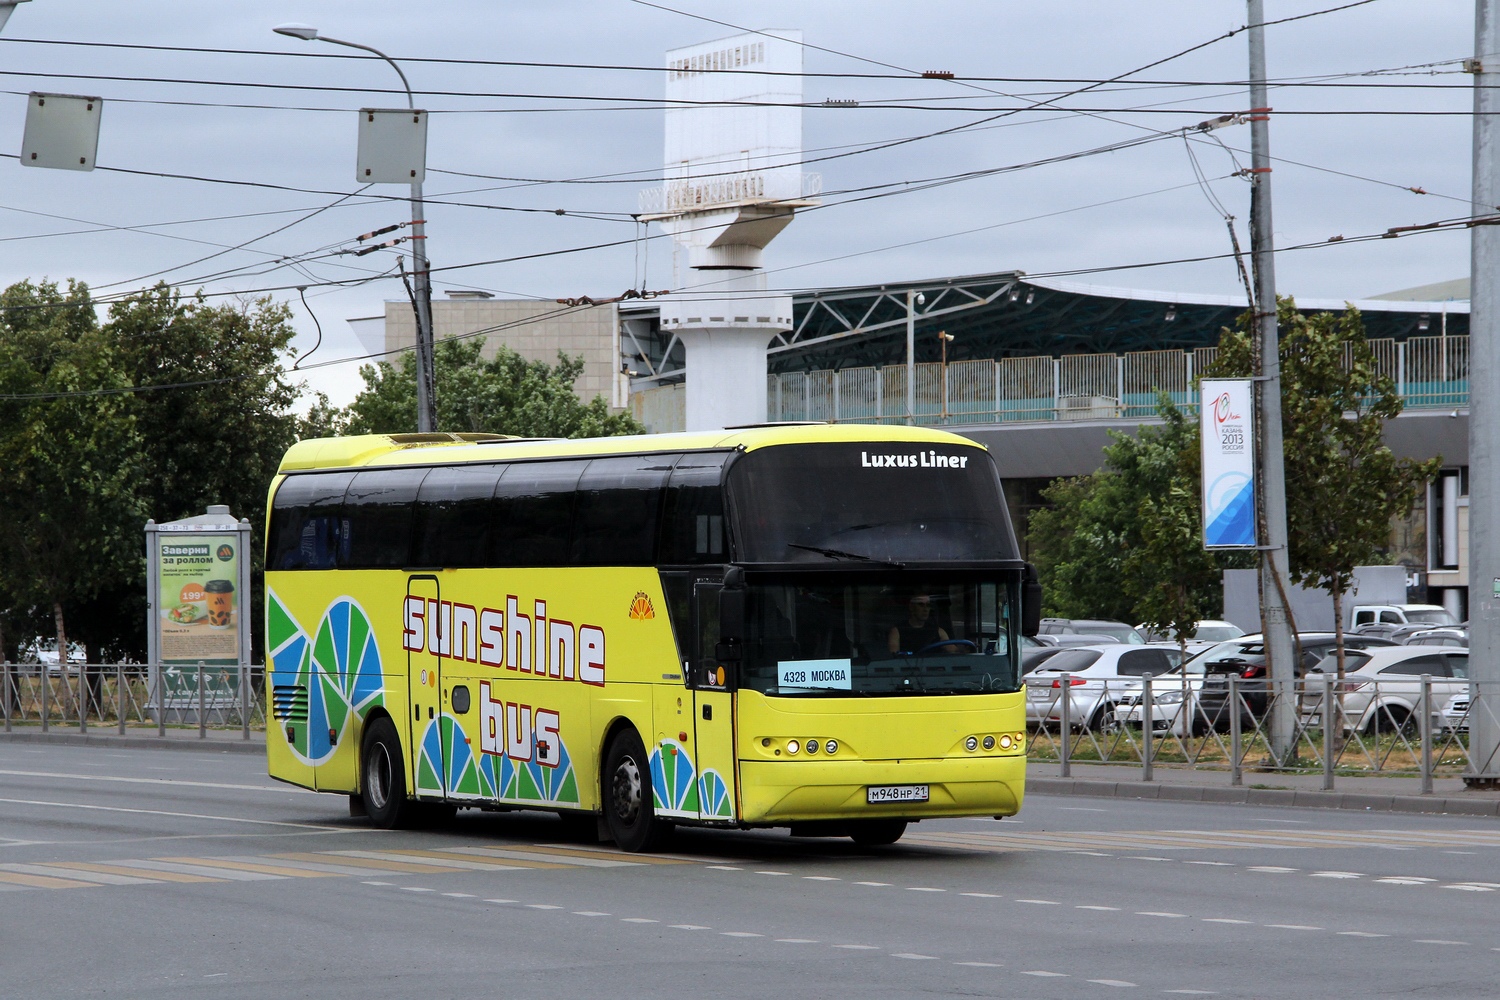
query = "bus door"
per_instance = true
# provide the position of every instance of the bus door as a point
(713, 712)
(424, 685)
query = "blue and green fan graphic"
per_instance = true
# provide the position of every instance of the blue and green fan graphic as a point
(713, 793)
(339, 667)
(474, 776)
(674, 789)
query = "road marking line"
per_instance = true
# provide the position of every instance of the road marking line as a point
(1225, 920)
(741, 934)
(796, 941)
(636, 920)
(689, 927)
(368, 864)
(1470, 888)
(772, 873)
(1138, 857)
(1335, 875)
(1440, 941)
(1192, 993)
(611, 857)
(1111, 982)
(923, 888)
(882, 884)
(1217, 864)
(822, 878)
(185, 868)
(121, 869)
(1271, 869)
(1295, 927)
(723, 868)
(40, 882)
(278, 787)
(174, 815)
(1040, 972)
(913, 955)
(981, 965)
(589, 913)
(542, 906)
(982, 895)
(460, 895)
(1039, 902)
(58, 872)
(534, 857)
(352, 868)
(459, 858)
(857, 947)
(500, 900)
(251, 866)
(1363, 934)
(368, 882)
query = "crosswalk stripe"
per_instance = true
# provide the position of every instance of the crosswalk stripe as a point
(121, 869)
(224, 874)
(317, 866)
(452, 860)
(99, 878)
(254, 866)
(368, 865)
(655, 858)
(552, 860)
(43, 881)
(600, 855)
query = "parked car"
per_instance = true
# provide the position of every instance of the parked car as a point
(1074, 639)
(1363, 615)
(1382, 688)
(1454, 718)
(1099, 676)
(1118, 631)
(1457, 636)
(1205, 634)
(1246, 657)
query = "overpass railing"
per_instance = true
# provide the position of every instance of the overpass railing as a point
(1429, 372)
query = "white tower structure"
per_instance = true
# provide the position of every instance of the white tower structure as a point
(733, 180)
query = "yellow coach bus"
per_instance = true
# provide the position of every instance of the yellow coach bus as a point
(785, 625)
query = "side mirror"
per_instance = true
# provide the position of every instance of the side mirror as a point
(1031, 602)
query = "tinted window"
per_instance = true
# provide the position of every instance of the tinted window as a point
(617, 508)
(307, 521)
(1432, 664)
(533, 513)
(693, 527)
(857, 502)
(1458, 664)
(1072, 660)
(1140, 662)
(454, 522)
(377, 518)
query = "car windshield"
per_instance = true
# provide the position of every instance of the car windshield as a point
(1251, 653)
(1433, 617)
(1118, 632)
(854, 636)
(1217, 633)
(1072, 660)
(1353, 660)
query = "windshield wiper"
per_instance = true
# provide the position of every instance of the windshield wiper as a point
(841, 554)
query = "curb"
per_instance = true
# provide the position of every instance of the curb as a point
(252, 746)
(1286, 797)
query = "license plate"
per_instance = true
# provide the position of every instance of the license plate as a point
(895, 793)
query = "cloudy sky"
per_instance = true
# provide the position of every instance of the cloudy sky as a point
(1371, 102)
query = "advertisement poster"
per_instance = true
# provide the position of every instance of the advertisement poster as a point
(199, 604)
(1228, 464)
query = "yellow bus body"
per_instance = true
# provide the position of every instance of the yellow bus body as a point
(339, 647)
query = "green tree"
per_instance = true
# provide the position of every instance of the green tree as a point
(69, 446)
(1343, 485)
(507, 395)
(1125, 542)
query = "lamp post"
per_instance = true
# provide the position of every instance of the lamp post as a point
(426, 381)
(6, 6)
(945, 338)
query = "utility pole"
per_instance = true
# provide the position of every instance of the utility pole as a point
(911, 350)
(1484, 410)
(1276, 628)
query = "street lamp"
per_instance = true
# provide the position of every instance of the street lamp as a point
(945, 338)
(6, 6)
(426, 382)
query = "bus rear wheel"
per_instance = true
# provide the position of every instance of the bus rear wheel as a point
(383, 777)
(876, 832)
(628, 810)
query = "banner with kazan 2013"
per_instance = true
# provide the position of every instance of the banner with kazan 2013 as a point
(1228, 464)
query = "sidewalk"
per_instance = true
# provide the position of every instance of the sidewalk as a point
(176, 738)
(1366, 793)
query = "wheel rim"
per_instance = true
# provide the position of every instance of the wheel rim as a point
(378, 778)
(627, 790)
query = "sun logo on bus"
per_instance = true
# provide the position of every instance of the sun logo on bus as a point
(640, 608)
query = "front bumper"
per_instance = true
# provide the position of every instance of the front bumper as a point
(784, 791)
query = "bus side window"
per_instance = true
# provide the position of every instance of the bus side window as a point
(693, 522)
(618, 506)
(307, 521)
(452, 526)
(377, 519)
(679, 590)
(531, 518)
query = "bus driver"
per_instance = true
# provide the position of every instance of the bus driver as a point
(919, 630)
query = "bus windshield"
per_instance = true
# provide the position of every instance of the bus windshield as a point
(896, 502)
(930, 635)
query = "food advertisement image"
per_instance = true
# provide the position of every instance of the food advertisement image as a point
(199, 603)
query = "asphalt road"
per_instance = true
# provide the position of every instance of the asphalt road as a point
(172, 873)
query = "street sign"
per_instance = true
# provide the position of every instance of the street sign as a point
(1228, 464)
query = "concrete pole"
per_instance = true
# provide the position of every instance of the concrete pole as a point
(911, 351)
(1484, 410)
(426, 376)
(1280, 653)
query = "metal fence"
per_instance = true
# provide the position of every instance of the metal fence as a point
(125, 696)
(1427, 372)
(1413, 726)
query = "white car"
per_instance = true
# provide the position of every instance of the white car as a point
(1206, 633)
(1382, 688)
(1099, 677)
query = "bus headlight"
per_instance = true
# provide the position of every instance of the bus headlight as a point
(971, 744)
(812, 746)
(1006, 742)
(832, 746)
(989, 742)
(792, 746)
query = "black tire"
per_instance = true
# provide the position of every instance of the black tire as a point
(1102, 719)
(626, 787)
(382, 777)
(1391, 719)
(876, 832)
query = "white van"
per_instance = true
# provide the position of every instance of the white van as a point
(1400, 614)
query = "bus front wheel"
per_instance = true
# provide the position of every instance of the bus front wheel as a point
(383, 777)
(876, 832)
(627, 795)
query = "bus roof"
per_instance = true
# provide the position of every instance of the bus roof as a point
(451, 449)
